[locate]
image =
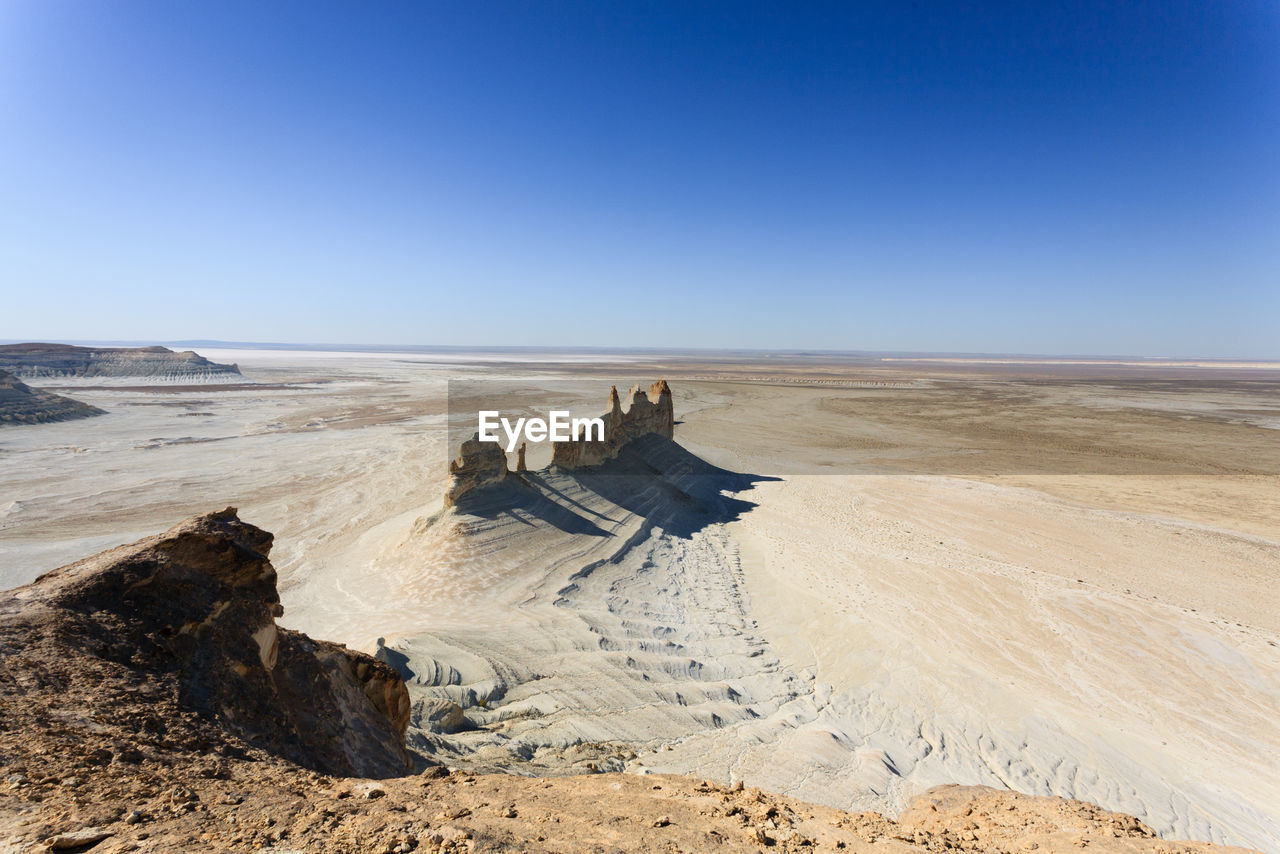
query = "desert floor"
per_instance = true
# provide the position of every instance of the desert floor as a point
(1055, 576)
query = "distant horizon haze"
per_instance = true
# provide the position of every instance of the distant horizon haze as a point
(1076, 178)
(402, 348)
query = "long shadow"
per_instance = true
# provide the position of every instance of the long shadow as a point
(658, 479)
(520, 501)
(396, 659)
(651, 477)
(542, 483)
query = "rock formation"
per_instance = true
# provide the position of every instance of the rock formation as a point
(21, 404)
(484, 463)
(647, 414)
(190, 614)
(38, 361)
(478, 464)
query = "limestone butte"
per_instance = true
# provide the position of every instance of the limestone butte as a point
(647, 414)
(481, 464)
(478, 464)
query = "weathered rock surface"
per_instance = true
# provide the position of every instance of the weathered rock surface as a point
(38, 361)
(21, 404)
(647, 414)
(478, 464)
(191, 614)
(439, 715)
(482, 464)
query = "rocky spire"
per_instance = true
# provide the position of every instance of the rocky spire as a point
(650, 413)
(660, 397)
(615, 405)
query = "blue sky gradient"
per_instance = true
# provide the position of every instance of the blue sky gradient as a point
(1021, 177)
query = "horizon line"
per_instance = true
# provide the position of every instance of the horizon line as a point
(613, 348)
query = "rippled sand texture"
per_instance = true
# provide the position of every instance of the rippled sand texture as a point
(854, 580)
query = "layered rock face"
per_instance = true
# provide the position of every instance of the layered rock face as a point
(21, 404)
(646, 414)
(478, 464)
(34, 361)
(190, 614)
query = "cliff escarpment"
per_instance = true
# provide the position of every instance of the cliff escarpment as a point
(173, 639)
(42, 361)
(21, 404)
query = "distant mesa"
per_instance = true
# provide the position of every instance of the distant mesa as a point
(21, 404)
(44, 361)
(485, 463)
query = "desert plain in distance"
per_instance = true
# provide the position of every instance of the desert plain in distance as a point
(1057, 576)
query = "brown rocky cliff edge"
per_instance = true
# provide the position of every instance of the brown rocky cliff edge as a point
(193, 611)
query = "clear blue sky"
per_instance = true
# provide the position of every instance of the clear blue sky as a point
(1019, 177)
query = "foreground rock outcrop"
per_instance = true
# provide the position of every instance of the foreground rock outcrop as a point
(148, 702)
(39, 361)
(21, 404)
(190, 615)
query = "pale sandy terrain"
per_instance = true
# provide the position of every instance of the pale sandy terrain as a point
(324, 447)
(1066, 585)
